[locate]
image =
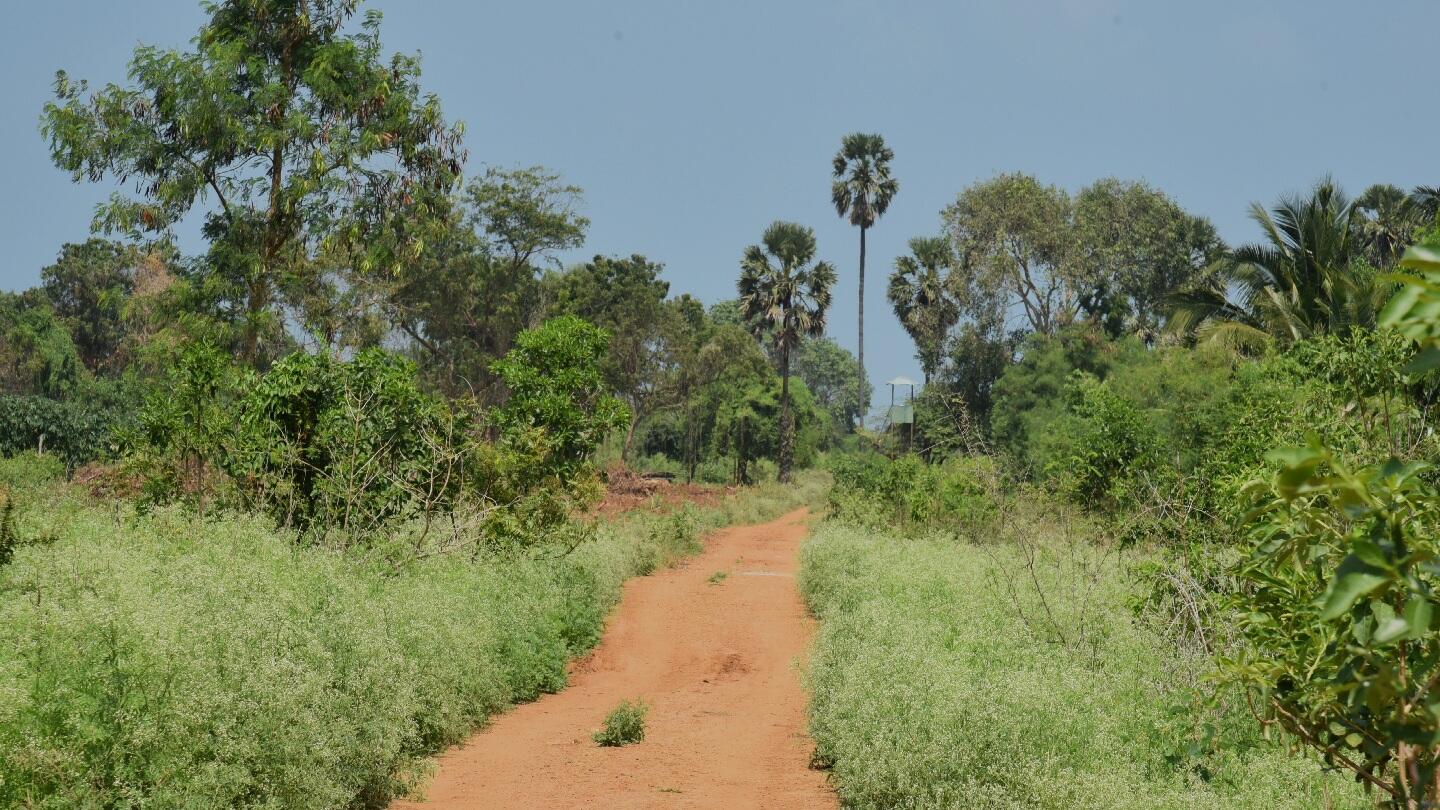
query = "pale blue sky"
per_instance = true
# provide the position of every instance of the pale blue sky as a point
(693, 125)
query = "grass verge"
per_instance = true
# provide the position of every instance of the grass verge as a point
(936, 685)
(164, 661)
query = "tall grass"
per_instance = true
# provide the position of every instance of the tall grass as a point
(163, 661)
(936, 685)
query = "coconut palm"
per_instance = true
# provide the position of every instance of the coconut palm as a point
(918, 295)
(1306, 279)
(784, 297)
(861, 190)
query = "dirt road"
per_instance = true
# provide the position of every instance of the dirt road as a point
(718, 665)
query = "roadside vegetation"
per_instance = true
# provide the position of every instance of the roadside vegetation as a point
(214, 662)
(1178, 559)
(952, 675)
(283, 516)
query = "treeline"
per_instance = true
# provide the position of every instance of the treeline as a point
(351, 272)
(1257, 419)
(1019, 263)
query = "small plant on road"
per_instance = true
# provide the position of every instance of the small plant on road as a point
(718, 577)
(625, 724)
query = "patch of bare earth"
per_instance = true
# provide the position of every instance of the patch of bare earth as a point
(718, 663)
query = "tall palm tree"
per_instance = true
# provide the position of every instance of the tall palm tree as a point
(918, 295)
(1303, 280)
(861, 190)
(784, 296)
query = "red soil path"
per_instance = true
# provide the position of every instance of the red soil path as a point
(718, 665)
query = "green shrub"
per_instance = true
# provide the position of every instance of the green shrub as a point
(1336, 613)
(1110, 438)
(877, 491)
(1340, 649)
(343, 446)
(624, 725)
(74, 431)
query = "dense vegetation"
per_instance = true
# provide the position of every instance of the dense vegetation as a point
(1171, 510)
(282, 517)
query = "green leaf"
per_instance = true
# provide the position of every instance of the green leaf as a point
(1363, 629)
(1418, 613)
(1427, 359)
(1391, 630)
(1421, 257)
(1403, 300)
(1367, 552)
(1353, 579)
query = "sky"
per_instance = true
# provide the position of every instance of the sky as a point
(693, 125)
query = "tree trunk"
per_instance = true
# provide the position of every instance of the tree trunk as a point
(860, 404)
(787, 422)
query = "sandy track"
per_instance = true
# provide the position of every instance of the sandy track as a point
(718, 664)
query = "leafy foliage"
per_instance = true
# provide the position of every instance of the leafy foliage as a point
(72, 431)
(559, 407)
(909, 495)
(1337, 612)
(1337, 617)
(307, 141)
(343, 447)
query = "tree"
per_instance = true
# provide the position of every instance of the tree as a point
(560, 406)
(625, 297)
(1134, 247)
(747, 424)
(37, 354)
(1426, 200)
(977, 359)
(298, 138)
(861, 190)
(478, 285)
(828, 370)
(1387, 220)
(1014, 241)
(779, 289)
(88, 286)
(526, 214)
(921, 302)
(1308, 278)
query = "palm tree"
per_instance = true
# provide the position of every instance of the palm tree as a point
(861, 190)
(1304, 280)
(918, 295)
(1387, 219)
(1426, 201)
(785, 297)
